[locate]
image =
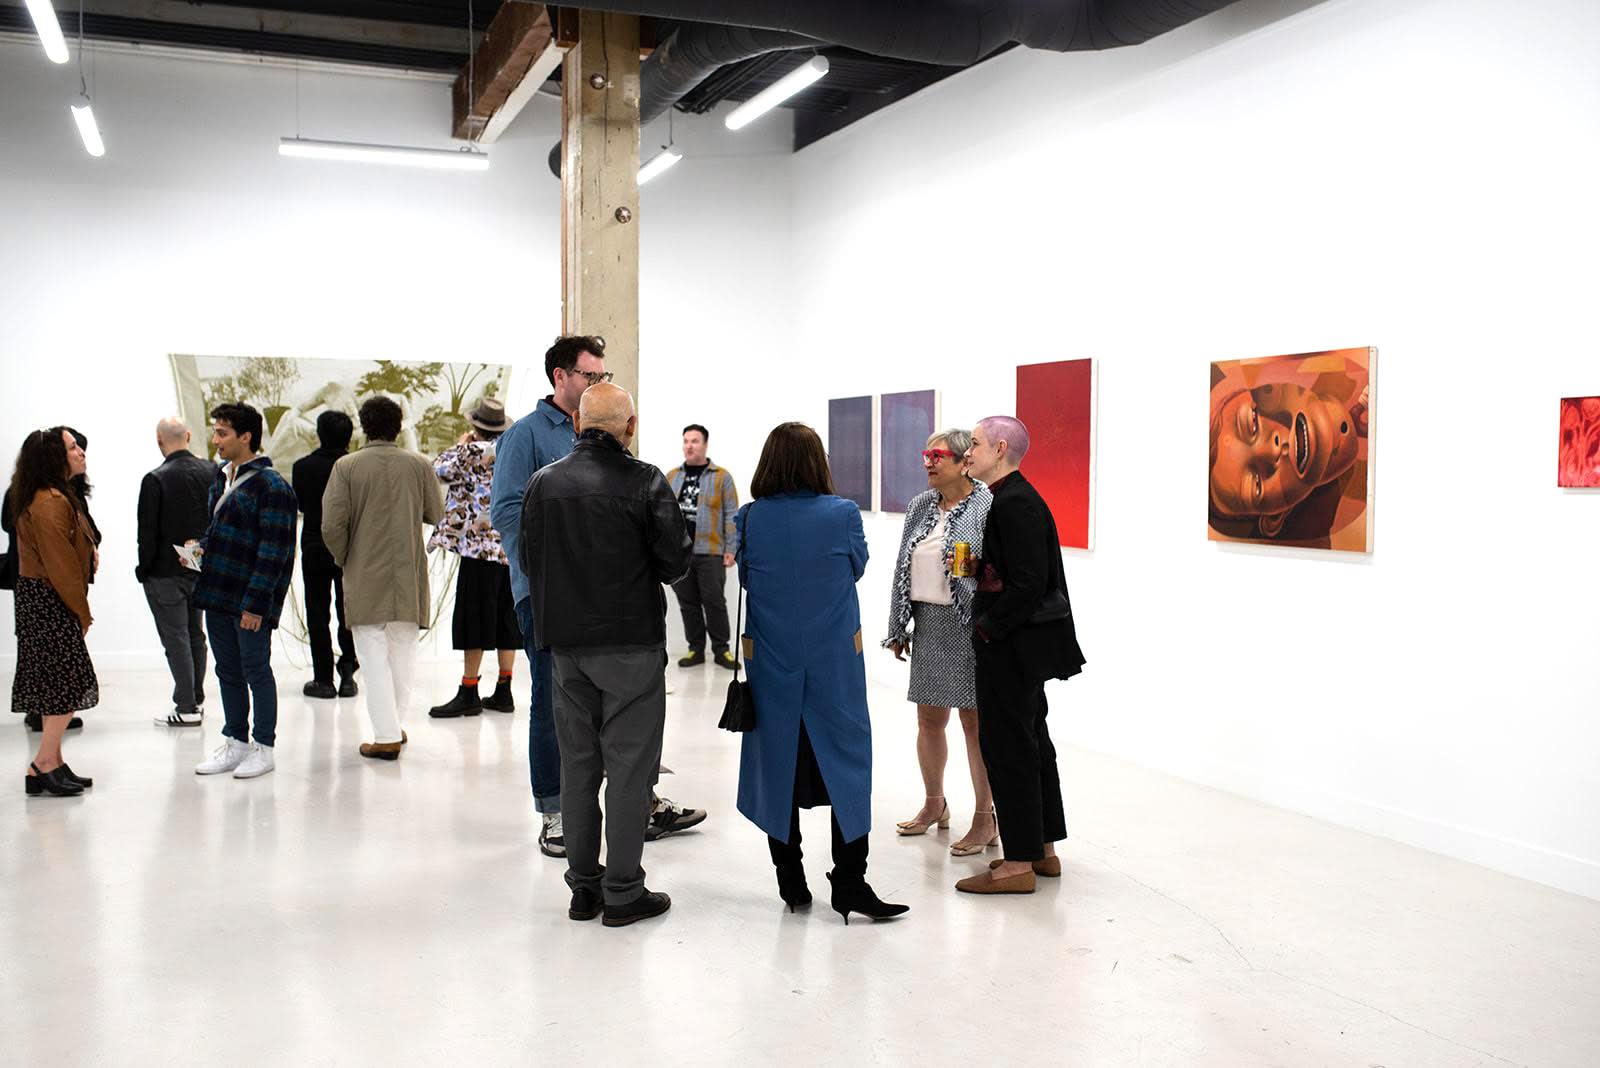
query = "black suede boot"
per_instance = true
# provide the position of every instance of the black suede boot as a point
(464, 703)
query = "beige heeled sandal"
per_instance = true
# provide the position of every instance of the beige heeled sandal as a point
(964, 848)
(914, 827)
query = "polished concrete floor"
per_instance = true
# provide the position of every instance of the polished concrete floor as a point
(342, 911)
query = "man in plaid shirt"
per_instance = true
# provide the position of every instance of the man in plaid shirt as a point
(244, 575)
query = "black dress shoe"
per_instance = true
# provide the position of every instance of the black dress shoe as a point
(322, 691)
(854, 895)
(82, 780)
(695, 658)
(725, 660)
(347, 684)
(464, 703)
(586, 903)
(642, 907)
(501, 700)
(53, 782)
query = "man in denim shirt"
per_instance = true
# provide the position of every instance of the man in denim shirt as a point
(542, 437)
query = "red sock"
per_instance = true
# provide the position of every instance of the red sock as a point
(505, 676)
(470, 680)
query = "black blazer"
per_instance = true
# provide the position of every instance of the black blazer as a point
(310, 475)
(601, 533)
(172, 509)
(1022, 548)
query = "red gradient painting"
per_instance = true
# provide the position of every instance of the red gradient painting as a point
(1055, 401)
(1579, 457)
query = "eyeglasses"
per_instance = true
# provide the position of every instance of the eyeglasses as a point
(594, 378)
(933, 456)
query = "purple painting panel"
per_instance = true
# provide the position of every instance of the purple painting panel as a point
(904, 422)
(850, 449)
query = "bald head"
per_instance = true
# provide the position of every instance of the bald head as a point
(607, 407)
(171, 435)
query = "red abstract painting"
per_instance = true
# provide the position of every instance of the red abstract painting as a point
(1578, 462)
(1055, 401)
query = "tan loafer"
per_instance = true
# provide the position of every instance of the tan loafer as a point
(1049, 867)
(381, 750)
(986, 883)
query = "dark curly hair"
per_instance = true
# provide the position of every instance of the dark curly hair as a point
(242, 419)
(41, 465)
(565, 352)
(380, 418)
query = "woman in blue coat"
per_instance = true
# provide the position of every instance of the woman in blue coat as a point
(801, 550)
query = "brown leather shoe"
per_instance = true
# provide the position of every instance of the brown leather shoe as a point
(381, 750)
(986, 883)
(1049, 867)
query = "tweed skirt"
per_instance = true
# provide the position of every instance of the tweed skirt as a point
(55, 676)
(943, 662)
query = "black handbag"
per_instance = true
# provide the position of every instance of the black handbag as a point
(739, 710)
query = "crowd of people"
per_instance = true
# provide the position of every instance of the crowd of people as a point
(565, 545)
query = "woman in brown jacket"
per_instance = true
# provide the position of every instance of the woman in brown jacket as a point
(55, 561)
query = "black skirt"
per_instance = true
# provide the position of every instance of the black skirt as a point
(485, 615)
(55, 676)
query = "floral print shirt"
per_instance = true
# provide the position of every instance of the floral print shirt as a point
(466, 471)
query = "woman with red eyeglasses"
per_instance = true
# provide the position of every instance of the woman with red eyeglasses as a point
(930, 616)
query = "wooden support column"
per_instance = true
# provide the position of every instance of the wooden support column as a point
(600, 189)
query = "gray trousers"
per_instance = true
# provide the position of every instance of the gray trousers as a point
(182, 637)
(610, 710)
(703, 600)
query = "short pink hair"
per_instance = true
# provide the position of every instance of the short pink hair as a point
(1009, 429)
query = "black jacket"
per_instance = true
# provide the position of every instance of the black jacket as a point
(601, 532)
(172, 510)
(1020, 544)
(310, 475)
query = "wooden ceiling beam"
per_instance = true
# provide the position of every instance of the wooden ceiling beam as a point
(517, 53)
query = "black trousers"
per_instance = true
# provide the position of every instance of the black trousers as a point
(1018, 754)
(849, 858)
(704, 603)
(325, 590)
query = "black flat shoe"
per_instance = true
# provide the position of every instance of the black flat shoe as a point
(322, 691)
(82, 780)
(792, 887)
(51, 782)
(347, 684)
(854, 895)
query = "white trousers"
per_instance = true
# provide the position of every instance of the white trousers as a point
(388, 654)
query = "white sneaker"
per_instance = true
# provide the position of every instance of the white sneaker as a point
(229, 755)
(257, 762)
(179, 718)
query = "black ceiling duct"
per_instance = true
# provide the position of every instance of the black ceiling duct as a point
(954, 33)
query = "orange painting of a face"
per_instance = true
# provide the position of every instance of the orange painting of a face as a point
(1290, 448)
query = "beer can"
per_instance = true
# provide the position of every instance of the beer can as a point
(961, 560)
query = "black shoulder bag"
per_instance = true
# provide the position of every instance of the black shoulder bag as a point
(739, 711)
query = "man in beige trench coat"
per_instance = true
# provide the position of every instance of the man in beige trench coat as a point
(373, 511)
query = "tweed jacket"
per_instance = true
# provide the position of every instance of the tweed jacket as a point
(966, 522)
(714, 530)
(249, 544)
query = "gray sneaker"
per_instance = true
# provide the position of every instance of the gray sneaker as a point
(552, 843)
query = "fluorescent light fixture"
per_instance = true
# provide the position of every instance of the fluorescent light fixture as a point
(88, 130)
(658, 163)
(441, 159)
(776, 93)
(44, 20)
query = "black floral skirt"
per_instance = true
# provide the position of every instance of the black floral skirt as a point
(55, 676)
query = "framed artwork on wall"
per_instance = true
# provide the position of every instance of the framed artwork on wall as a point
(850, 449)
(1578, 455)
(905, 421)
(290, 393)
(1291, 450)
(1055, 401)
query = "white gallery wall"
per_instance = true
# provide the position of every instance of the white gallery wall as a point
(1280, 177)
(193, 236)
(1276, 178)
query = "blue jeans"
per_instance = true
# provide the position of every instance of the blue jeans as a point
(243, 661)
(544, 752)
